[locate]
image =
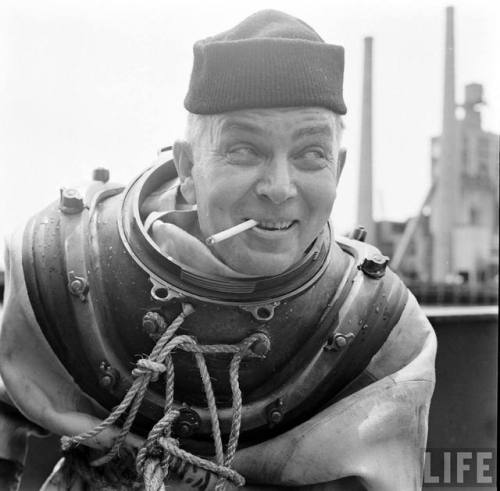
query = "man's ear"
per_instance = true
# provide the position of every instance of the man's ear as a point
(183, 158)
(341, 162)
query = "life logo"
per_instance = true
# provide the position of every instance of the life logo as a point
(464, 467)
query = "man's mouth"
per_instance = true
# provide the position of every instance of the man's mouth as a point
(275, 225)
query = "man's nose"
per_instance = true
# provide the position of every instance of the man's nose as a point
(277, 181)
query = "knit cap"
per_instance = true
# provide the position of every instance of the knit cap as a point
(270, 59)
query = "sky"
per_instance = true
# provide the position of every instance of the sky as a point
(92, 83)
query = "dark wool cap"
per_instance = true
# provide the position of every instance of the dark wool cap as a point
(271, 59)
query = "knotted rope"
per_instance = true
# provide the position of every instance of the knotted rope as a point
(160, 450)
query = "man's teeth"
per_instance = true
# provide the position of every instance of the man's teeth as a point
(275, 225)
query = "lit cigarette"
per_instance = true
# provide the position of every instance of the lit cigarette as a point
(231, 232)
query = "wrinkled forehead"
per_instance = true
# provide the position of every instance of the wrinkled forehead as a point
(292, 122)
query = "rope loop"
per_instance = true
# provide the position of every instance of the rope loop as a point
(249, 344)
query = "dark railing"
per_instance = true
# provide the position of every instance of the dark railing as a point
(451, 294)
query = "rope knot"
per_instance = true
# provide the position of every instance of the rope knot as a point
(145, 366)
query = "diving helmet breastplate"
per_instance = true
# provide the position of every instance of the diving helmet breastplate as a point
(101, 290)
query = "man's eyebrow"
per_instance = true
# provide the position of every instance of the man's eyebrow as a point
(324, 130)
(242, 126)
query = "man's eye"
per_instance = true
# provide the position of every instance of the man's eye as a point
(314, 154)
(312, 159)
(242, 155)
(242, 151)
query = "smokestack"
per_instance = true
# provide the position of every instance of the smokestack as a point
(445, 198)
(365, 187)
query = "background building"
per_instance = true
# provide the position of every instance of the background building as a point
(454, 237)
(473, 220)
(474, 254)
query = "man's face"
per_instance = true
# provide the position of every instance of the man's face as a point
(277, 166)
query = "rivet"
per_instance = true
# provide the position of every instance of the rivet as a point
(275, 416)
(275, 412)
(77, 286)
(109, 375)
(340, 340)
(106, 380)
(184, 430)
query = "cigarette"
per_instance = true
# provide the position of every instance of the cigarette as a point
(231, 232)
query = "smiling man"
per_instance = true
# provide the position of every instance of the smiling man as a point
(279, 354)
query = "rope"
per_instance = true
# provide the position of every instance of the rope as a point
(161, 451)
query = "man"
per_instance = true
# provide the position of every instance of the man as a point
(286, 358)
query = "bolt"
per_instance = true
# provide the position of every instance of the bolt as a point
(342, 340)
(77, 286)
(70, 201)
(187, 423)
(275, 412)
(359, 233)
(109, 375)
(100, 174)
(109, 378)
(374, 266)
